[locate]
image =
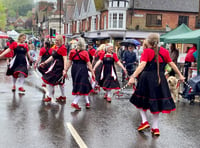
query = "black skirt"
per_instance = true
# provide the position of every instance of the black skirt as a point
(80, 78)
(151, 95)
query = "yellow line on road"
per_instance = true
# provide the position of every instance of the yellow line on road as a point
(76, 136)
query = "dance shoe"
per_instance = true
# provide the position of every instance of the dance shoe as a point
(108, 99)
(75, 106)
(43, 85)
(87, 105)
(105, 96)
(155, 132)
(47, 99)
(13, 88)
(61, 99)
(143, 126)
(21, 90)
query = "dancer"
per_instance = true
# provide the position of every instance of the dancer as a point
(108, 79)
(152, 91)
(57, 71)
(80, 62)
(99, 52)
(45, 53)
(18, 66)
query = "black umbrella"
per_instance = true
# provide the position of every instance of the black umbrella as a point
(130, 42)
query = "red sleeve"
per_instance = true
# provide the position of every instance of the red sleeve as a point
(101, 56)
(115, 57)
(92, 52)
(167, 57)
(144, 55)
(26, 46)
(50, 51)
(13, 45)
(85, 56)
(71, 54)
(62, 51)
(42, 51)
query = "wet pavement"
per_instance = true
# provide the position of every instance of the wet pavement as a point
(26, 122)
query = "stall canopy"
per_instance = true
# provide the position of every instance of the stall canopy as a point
(179, 30)
(13, 34)
(192, 37)
(3, 35)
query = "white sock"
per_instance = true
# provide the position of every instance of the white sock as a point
(109, 93)
(155, 118)
(62, 90)
(21, 80)
(14, 81)
(143, 115)
(51, 91)
(76, 99)
(87, 99)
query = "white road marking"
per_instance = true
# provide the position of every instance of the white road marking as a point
(76, 136)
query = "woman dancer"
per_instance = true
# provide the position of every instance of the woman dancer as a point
(152, 90)
(99, 52)
(80, 62)
(57, 71)
(108, 78)
(18, 66)
(45, 53)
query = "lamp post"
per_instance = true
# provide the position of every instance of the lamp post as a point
(38, 29)
(60, 18)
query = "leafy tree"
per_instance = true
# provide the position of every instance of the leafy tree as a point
(2, 16)
(21, 7)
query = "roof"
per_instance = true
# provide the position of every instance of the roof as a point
(179, 30)
(167, 5)
(192, 37)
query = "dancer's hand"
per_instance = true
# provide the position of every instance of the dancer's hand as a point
(125, 71)
(64, 73)
(43, 64)
(35, 65)
(131, 81)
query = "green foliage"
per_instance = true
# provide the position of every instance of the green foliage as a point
(99, 4)
(2, 16)
(19, 6)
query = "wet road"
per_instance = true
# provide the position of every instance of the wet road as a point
(26, 122)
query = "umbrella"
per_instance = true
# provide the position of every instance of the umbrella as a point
(130, 42)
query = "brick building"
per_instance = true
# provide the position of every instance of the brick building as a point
(119, 19)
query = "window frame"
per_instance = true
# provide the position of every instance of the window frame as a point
(150, 24)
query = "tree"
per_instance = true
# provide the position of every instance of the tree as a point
(20, 7)
(2, 16)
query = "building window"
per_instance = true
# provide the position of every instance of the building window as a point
(117, 20)
(77, 27)
(121, 20)
(93, 24)
(183, 20)
(153, 20)
(105, 22)
(114, 20)
(197, 22)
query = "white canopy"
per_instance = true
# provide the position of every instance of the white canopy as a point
(13, 34)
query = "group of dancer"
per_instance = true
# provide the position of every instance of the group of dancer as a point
(152, 91)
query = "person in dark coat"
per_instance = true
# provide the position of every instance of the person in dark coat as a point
(152, 90)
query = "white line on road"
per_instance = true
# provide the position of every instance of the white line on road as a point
(76, 136)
